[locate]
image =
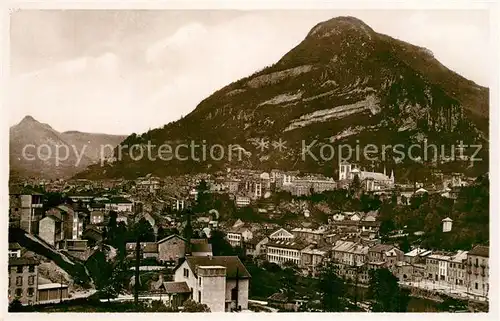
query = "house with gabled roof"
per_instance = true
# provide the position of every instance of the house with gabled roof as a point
(172, 248)
(281, 234)
(221, 282)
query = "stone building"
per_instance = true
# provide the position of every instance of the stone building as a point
(171, 248)
(23, 279)
(25, 209)
(478, 270)
(51, 230)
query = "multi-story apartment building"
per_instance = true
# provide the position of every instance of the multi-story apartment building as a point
(312, 259)
(281, 251)
(351, 259)
(436, 266)
(309, 235)
(119, 205)
(72, 221)
(478, 270)
(349, 253)
(221, 282)
(23, 279)
(25, 209)
(238, 235)
(384, 255)
(457, 269)
(51, 229)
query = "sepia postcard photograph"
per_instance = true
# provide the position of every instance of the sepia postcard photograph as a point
(249, 160)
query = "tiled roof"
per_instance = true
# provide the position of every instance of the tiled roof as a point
(382, 248)
(65, 208)
(199, 241)
(231, 263)
(201, 247)
(278, 297)
(480, 250)
(14, 246)
(55, 218)
(171, 237)
(295, 244)
(176, 287)
(14, 261)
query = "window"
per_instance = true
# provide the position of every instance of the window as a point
(199, 281)
(186, 273)
(31, 280)
(199, 296)
(476, 286)
(234, 294)
(31, 291)
(19, 280)
(31, 269)
(19, 292)
(19, 269)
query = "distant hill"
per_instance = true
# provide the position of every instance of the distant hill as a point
(34, 135)
(343, 84)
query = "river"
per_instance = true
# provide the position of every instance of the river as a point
(415, 304)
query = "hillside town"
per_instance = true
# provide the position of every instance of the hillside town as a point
(204, 242)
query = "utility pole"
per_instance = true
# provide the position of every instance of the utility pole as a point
(61, 289)
(137, 268)
(356, 287)
(237, 288)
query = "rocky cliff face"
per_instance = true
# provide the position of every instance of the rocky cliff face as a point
(343, 84)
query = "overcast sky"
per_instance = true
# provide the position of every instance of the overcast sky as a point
(127, 71)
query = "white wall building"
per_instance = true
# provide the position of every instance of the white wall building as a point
(221, 282)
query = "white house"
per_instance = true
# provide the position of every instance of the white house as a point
(282, 251)
(119, 205)
(242, 201)
(221, 282)
(281, 234)
(447, 224)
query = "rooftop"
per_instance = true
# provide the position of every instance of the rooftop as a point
(14, 261)
(287, 244)
(232, 264)
(480, 250)
(176, 287)
(49, 286)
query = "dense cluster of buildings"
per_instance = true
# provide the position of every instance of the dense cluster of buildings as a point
(350, 239)
(356, 253)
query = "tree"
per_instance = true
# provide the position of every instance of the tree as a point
(15, 306)
(142, 230)
(355, 184)
(220, 245)
(385, 292)
(187, 232)
(404, 245)
(289, 279)
(52, 199)
(192, 306)
(332, 288)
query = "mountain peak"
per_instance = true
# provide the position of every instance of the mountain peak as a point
(29, 119)
(339, 25)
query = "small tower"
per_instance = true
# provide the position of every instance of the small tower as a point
(344, 170)
(211, 286)
(392, 176)
(447, 224)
